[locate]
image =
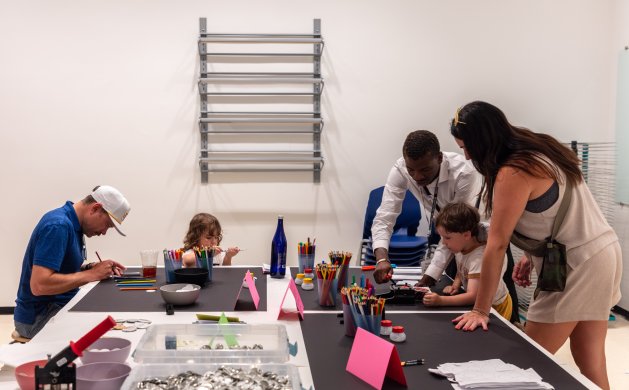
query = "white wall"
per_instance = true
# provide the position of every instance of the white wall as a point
(96, 92)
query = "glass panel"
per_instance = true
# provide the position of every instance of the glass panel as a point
(622, 129)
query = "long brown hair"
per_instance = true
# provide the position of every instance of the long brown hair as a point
(492, 143)
(199, 224)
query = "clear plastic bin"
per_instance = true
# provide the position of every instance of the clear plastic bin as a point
(145, 371)
(170, 343)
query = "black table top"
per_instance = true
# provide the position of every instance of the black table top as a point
(218, 295)
(430, 336)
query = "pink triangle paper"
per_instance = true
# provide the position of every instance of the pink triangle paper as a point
(372, 359)
(252, 289)
(283, 314)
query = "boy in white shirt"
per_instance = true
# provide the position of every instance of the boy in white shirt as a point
(458, 225)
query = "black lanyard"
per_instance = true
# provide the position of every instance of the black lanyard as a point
(434, 203)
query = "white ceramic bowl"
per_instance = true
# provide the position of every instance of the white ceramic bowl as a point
(173, 293)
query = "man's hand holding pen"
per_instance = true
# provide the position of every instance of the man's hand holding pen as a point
(106, 268)
(115, 268)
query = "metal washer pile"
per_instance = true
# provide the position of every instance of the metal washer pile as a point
(244, 347)
(222, 379)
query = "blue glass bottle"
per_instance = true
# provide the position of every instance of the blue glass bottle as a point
(278, 250)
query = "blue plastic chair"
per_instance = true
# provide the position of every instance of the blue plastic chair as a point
(408, 219)
(405, 247)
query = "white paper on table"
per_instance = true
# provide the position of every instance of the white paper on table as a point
(407, 270)
(410, 278)
(490, 374)
(16, 354)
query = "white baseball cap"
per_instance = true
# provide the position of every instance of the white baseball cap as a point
(114, 203)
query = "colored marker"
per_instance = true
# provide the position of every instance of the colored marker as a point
(416, 362)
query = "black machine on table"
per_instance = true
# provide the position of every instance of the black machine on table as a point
(405, 294)
(59, 372)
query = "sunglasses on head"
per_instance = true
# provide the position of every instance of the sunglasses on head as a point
(455, 120)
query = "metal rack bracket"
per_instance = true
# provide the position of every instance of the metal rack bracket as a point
(239, 123)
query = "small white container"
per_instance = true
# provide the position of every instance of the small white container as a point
(386, 327)
(397, 334)
(299, 279)
(308, 273)
(244, 281)
(307, 284)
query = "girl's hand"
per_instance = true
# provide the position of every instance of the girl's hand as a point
(233, 251)
(229, 253)
(471, 320)
(522, 272)
(431, 299)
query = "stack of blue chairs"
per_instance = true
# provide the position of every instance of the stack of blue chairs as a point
(406, 248)
(404, 251)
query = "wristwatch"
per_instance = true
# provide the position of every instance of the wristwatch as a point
(87, 266)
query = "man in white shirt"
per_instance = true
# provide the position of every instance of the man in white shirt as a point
(436, 178)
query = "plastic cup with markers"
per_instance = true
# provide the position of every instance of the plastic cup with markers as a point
(306, 255)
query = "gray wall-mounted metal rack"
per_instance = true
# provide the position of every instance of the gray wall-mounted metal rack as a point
(239, 123)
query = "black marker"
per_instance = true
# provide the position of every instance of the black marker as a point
(416, 362)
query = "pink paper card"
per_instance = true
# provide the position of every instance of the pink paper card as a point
(252, 289)
(292, 287)
(372, 359)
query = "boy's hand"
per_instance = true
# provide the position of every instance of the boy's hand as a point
(432, 299)
(454, 288)
(450, 290)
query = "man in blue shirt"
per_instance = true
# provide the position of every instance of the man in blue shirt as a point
(52, 269)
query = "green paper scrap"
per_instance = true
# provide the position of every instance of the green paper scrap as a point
(212, 317)
(230, 339)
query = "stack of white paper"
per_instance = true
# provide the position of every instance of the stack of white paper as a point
(409, 275)
(490, 374)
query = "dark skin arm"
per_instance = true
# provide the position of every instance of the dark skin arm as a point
(426, 281)
(383, 272)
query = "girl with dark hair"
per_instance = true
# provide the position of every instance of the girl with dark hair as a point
(527, 175)
(206, 231)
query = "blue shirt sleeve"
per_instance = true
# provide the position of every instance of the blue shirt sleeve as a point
(51, 246)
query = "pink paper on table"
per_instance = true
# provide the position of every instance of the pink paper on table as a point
(252, 289)
(300, 305)
(372, 359)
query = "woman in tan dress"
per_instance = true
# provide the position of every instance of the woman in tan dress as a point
(526, 175)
